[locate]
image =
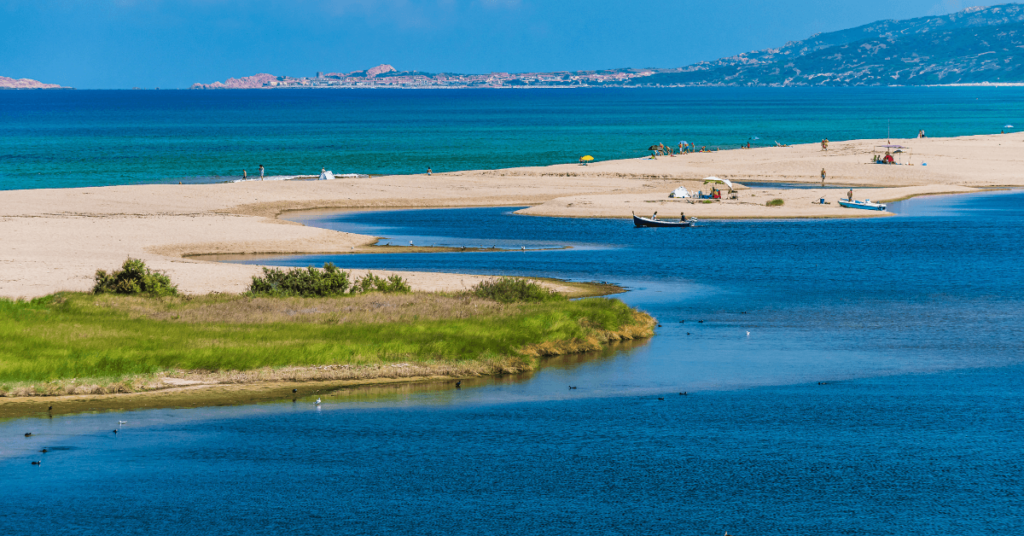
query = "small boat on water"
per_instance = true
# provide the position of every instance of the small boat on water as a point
(866, 205)
(652, 222)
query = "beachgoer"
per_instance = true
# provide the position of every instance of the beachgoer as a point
(748, 145)
(243, 175)
(430, 172)
(655, 216)
(920, 133)
(682, 217)
(261, 171)
(680, 147)
(823, 176)
(824, 144)
(849, 195)
(888, 158)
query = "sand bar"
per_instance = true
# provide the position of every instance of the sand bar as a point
(56, 239)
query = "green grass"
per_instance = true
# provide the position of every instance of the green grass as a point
(71, 335)
(775, 203)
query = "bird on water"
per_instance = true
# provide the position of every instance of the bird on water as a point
(28, 434)
(458, 384)
(318, 401)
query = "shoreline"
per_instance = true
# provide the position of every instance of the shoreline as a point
(58, 238)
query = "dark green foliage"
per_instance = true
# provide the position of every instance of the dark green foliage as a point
(372, 283)
(775, 203)
(307, 282)
(514, 289)
(134, 278)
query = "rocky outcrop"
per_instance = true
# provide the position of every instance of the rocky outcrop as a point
(380, 69)
(24, 83)
(246, 82)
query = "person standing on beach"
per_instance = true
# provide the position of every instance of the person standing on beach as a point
(849, 195)
(430, 172)
(823, 176)
(261, 171)
(824, 144)
(244, 175)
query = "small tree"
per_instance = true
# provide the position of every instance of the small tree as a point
(305, 282)
(134, 278)
(514, 289)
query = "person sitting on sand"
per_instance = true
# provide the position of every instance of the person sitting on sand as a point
(888, 159)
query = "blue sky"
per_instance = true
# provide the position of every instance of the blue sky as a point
(174, 43)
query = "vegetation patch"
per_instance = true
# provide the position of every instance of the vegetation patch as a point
(775, 203)
(514, 290)
(78, 343)
(133, 279)
(313, 282)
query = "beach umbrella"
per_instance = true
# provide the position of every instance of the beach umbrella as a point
(587, 158)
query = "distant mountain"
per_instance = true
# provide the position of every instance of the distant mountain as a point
(24, 83)
(976, 45)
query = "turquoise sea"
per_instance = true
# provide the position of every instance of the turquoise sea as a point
(840, 376)
(92, 138)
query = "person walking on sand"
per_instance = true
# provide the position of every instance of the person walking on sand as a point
(261, 171)
(823, 176)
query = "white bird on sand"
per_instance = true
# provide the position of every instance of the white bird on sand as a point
(410, 242)
(318, 401)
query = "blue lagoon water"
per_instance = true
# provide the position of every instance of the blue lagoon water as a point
(912, 321)
(94, 138)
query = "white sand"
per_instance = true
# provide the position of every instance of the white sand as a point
(56, 239)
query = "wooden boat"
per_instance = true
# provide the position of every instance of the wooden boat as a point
(866, 205)
(648, 222)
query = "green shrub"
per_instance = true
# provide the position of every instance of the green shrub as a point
(514, 289)
(775, 203)
(134, 278)
(371, 283)
(307, 282)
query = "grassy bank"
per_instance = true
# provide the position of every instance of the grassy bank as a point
(91, 344)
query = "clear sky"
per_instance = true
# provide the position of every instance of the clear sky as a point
(174, 43)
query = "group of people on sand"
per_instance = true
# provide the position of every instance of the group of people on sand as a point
(666, 150)
(245, 175)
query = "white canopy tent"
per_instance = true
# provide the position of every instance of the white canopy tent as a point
(327, 176)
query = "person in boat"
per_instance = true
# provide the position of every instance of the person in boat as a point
(849, 195)
(682, 216)
(655, 216)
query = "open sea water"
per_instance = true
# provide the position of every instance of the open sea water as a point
(913, 323)
(59, 139)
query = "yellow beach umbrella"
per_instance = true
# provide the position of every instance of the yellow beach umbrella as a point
(587, 158)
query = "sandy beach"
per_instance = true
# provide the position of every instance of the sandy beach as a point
(56, 239)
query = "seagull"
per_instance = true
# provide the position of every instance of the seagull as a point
(122, 422)
(748, 334)
(410, 242)
(524, 248)
(115, 431)
(318, 401)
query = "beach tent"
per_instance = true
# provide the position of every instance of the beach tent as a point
(897, 150)
(726, 182)
(680, 193)
(327, 176)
